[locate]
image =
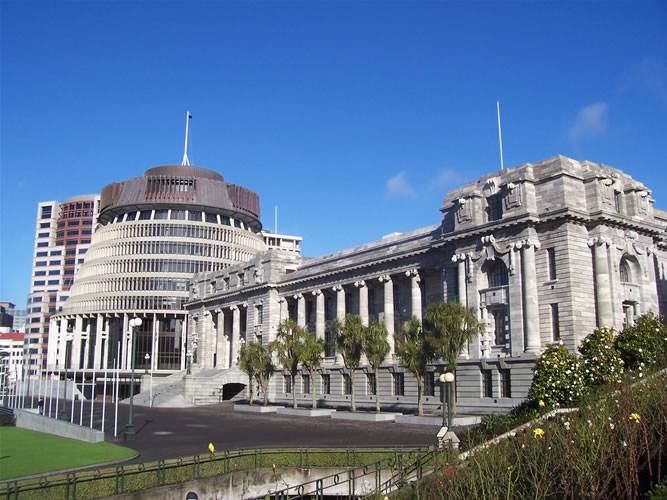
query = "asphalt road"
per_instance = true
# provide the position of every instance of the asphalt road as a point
(182, 432)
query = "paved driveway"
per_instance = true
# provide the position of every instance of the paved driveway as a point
(178, 432)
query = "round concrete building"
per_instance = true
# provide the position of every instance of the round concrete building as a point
(152, 234)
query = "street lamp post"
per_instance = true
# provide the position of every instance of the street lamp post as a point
(147, 357)
(68, 349)
(130, 430)
(447, 379)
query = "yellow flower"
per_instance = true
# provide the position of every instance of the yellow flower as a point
(635, 417)
(538, 432)
(541, 403)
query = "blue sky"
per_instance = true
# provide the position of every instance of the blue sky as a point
(353, 118)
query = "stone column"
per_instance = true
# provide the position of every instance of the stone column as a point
(415, 293)
(300, 310)
(389, 310)
(602, 282)
(222, 360)
(283, 309)
(340, 302)
(363, 301)
(236, 330)
(531, 320)
(461, 268)
(319, 315)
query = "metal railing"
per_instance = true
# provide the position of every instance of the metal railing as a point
(406, 463)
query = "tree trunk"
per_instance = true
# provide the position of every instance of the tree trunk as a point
(353, 407)
(265, 388)
(250, 388)
(420, 391)
(293, 390)
(312, 387)
(376, 369)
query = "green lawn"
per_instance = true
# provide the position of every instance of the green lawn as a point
(24, 452)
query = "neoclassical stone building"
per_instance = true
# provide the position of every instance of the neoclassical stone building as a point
(543, 252)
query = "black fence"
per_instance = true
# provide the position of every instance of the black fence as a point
(405, 463)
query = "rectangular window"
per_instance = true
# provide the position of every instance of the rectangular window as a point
(46, 212)
(287, 383)
(69, 272)
(54, 262)
(73, 223)
(194, 215)
(161, 214)
(505, 384)
(42, 254)
(54, 272)
(56, 252)
(42, 244)
(399, 385)
(44, 225)
(145, 214)
(551, 260)
(85, 232)
(40, 273)
(38, 283)
(328, 309)
(429, 384)
(53, 282)
(71, 242)
(40, 263)
(177, 214)
(69, 262)
(213, 218)
(43, 235)
(259, 309)
(305, 384)
(495, 207)
(87, 222)
(71, 251)
(555, 323)
(500, 325)
(371, 386)
(487, 384)
(347, 384)
(326, 384)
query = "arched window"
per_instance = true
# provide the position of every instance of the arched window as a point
(496, 273)
(624, 269)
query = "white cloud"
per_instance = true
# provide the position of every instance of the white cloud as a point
(399, 186)
(591, 122)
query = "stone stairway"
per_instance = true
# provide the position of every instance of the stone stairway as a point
(202, 387)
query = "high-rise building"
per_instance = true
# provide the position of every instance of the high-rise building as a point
(63, 233)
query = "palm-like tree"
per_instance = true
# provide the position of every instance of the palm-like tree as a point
(311, 359)
(264, 369)
(288, 346)
(376, 348)
(415, 351)
(349, 342)
(247, 364)
(451, 326)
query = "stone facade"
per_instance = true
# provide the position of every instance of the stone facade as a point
(543, 252)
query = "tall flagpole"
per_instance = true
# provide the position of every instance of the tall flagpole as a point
(500, 137)
(186, 162)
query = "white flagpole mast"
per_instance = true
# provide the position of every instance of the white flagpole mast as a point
(186, 162)
(500, 137)
(92, 400)
(104, 397)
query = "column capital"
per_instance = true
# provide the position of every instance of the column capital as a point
(316, 292)
(528, 243)
(282, 300)
(234, 308)
(360, 283)
(385, 278)
(298, 296)
(459, 257)
(599, 241)
(337, 288)
(413, 273)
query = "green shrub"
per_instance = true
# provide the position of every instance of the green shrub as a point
(644, 343)
(602, 360)
(557, 377)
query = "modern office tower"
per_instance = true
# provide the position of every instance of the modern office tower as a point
(153, 234)
(63, 232)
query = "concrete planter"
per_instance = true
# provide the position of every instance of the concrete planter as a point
(257, 409)
(368, 417)
(306, 412)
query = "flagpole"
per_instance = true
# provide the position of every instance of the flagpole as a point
(500, 137)
(71, 418)
(186, 162)
(104, 397)
(83, 392)
(92, 400)
(50, 394)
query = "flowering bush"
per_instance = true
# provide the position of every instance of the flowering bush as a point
(602, 361)
(557, 377)
(644, 343)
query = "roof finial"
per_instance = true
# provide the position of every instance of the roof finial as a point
(186, 162)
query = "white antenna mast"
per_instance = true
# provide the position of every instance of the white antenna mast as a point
(186, 162)
(500, 137)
